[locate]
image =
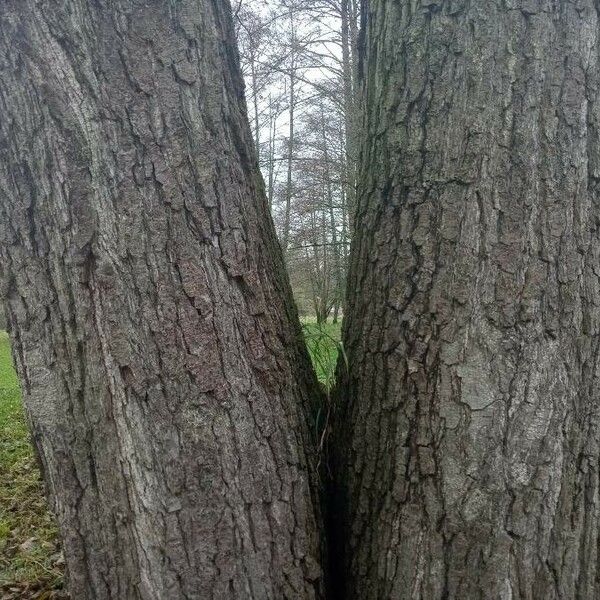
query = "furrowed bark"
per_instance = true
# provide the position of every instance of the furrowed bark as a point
(161, 360)
(470, 414)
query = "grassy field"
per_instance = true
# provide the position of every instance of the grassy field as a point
(30, 558)
(323, 341)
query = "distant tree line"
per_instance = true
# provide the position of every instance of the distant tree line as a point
(299, 60)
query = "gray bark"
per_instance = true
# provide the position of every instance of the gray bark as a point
(470, 413)
(153, 329)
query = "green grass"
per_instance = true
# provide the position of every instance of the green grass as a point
(324, 346)
(30, 560)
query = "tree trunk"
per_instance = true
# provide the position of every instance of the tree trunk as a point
(285, 238)
(470, 413)
(350, 120)
(167, 386)
(255, 106)
(271, 159)
(335, 246)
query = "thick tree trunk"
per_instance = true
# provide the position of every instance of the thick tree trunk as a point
(161, 360)
(471, 408)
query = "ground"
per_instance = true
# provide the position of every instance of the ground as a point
(31, 563)
(30, 559)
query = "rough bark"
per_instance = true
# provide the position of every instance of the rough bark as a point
(152, 324)
(471, 408)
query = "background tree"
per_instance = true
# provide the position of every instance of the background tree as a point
(253, 30)
(321, 233)
(470, 412)
(167, 386)
(309, 57)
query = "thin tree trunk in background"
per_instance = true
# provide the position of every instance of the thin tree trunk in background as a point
(332, 223)
(153, 329)
(255, 106)
(272, 136)
(345, 222)
(355, 13)
(290, 155)
(326, 279)
(468, 454)
(316, 270)
(350, 119)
